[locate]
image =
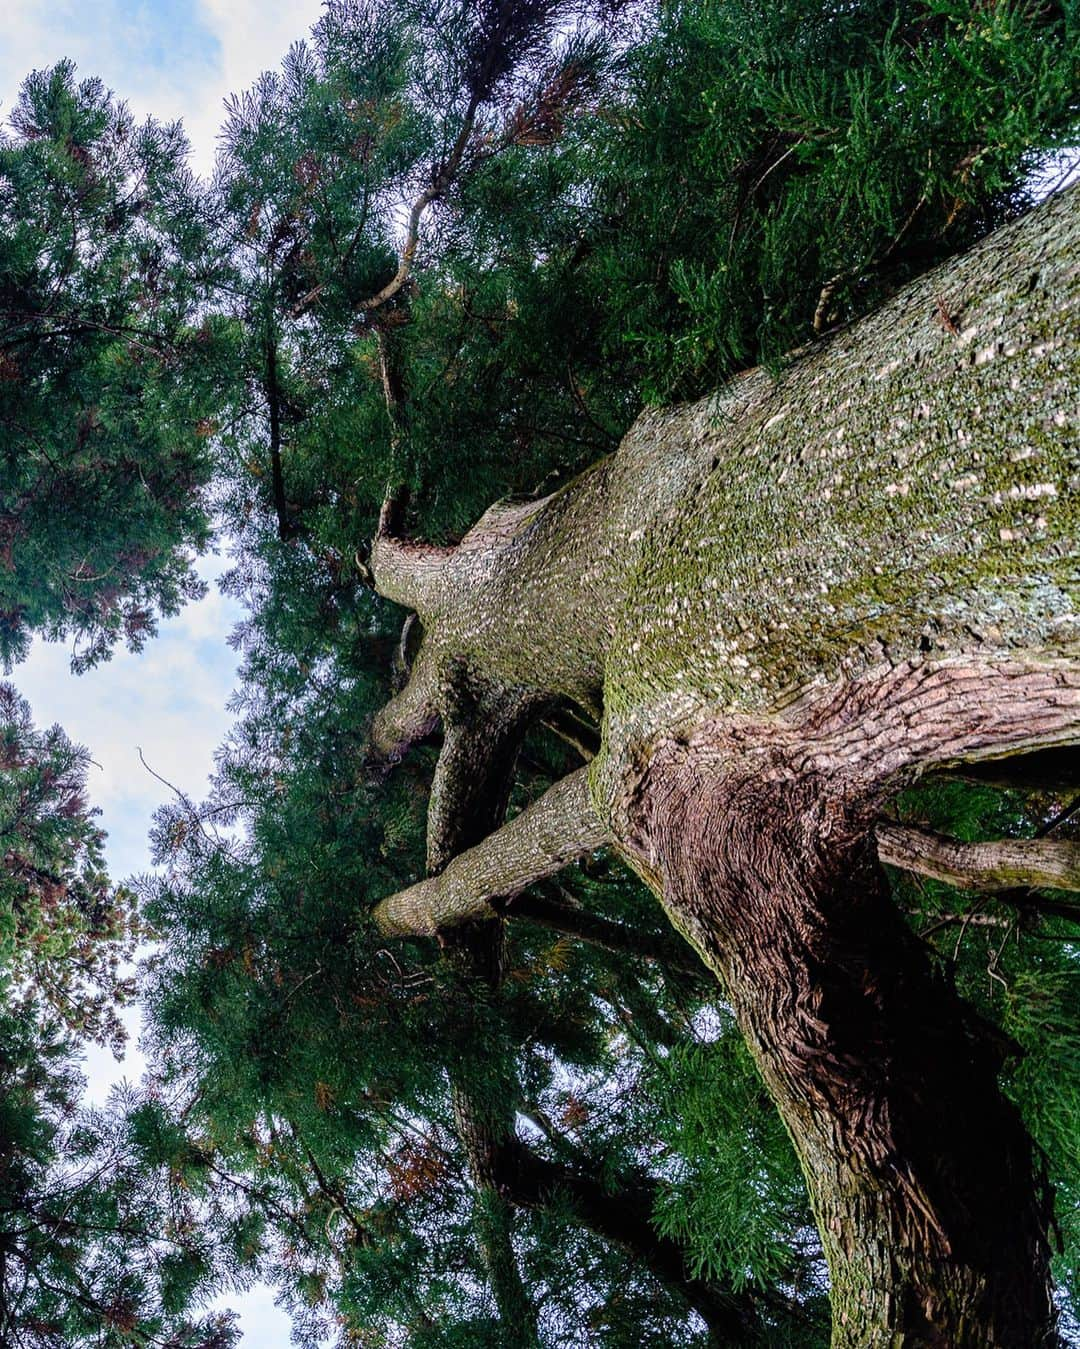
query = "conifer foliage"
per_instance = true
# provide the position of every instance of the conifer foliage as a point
(103, 371)
(94, 1245)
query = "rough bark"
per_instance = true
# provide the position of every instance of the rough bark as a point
(932, 1216)
(784, 603)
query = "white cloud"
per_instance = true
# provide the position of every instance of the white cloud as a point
(147, 51)
(254, 36)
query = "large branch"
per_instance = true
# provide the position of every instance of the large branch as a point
(410, 574)
(409, 717)
(547, 836)
(1005, 864)
(471, 787)
(571, 920)
(621, 1213)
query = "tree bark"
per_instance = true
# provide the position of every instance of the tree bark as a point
(552, 832)
(783, 604)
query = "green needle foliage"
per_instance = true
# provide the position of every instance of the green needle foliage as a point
(104, 375)
(65, 931)
(778, 168)
(94, 1245)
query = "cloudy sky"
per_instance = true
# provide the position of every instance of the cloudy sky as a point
(171, 59)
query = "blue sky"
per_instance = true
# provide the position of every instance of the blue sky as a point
(169, 59)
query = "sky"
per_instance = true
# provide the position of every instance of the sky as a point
(168, 59)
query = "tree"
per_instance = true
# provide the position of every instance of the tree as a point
(468, 353)
(94, 1248)
(747, 751)
(709, 621)
(319, 1062)
(104, 377)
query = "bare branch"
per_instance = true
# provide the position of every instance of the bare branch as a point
(1005, 864)
(441, 178)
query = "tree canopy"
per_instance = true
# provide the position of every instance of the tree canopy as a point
(448, 252)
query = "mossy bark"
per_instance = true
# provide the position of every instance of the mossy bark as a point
(782, 604)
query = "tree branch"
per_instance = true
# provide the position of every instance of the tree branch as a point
(547, 836)
(1005, 864)
(287, 526)
(622, 1214)
(407, 718)
(408, 573)
(573, 921)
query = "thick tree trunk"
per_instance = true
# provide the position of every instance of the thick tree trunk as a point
(785, 603)
(920, 1173)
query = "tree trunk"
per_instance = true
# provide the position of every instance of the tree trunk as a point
(989, 867)
(480, 1131)
(920, 1173)
(783, 604)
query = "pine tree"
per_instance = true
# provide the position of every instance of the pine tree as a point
(539, 296)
